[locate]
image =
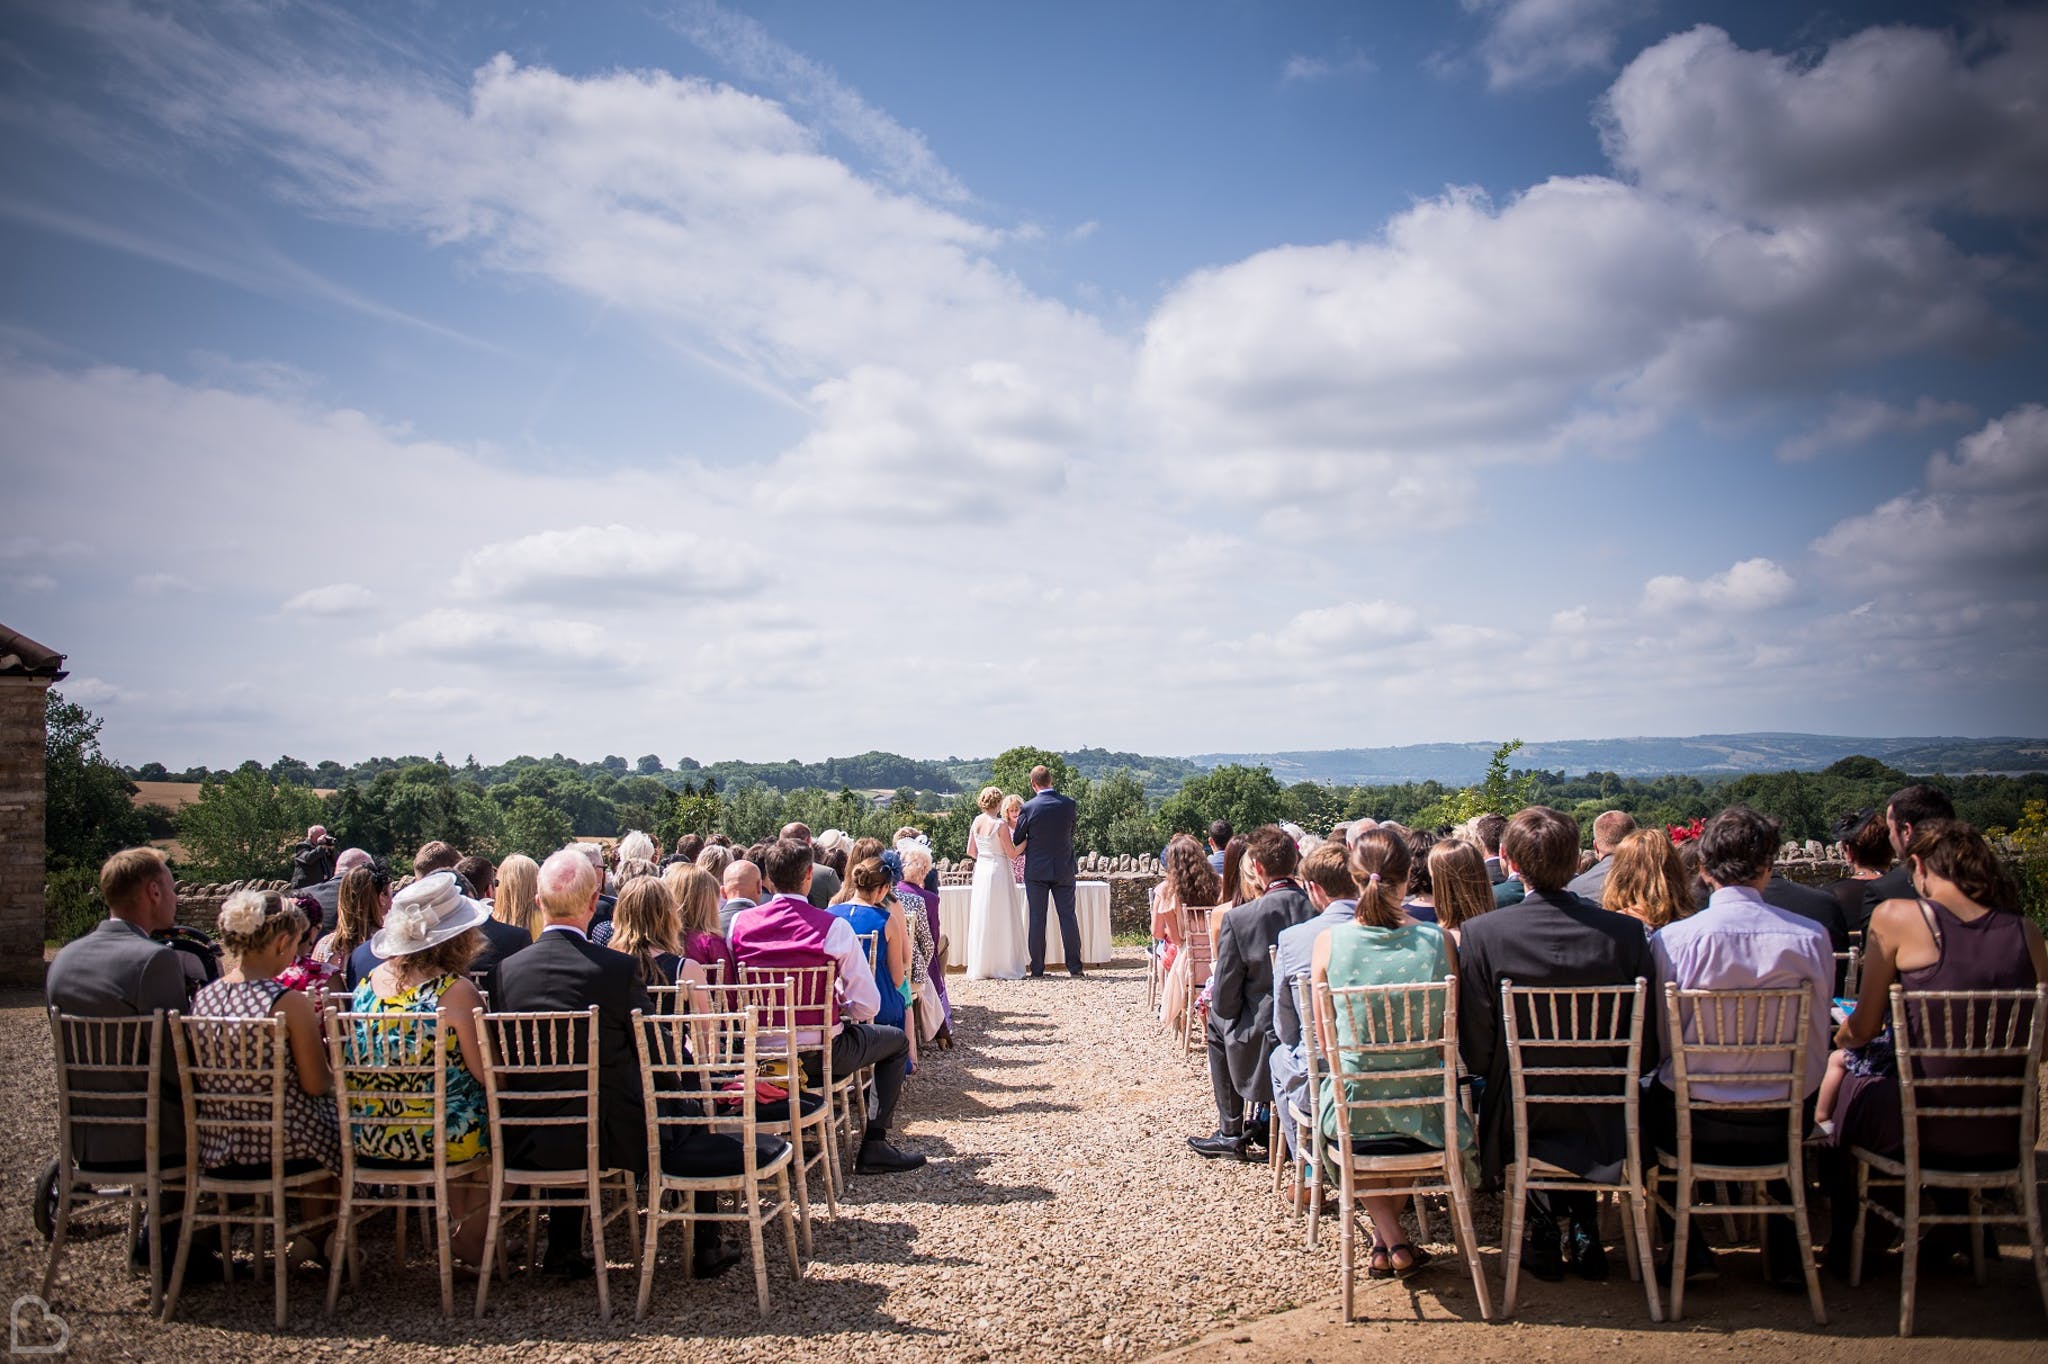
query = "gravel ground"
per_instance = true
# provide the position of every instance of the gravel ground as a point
(1061, 1216)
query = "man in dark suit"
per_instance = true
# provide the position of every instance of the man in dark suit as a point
(1241, 1035)
(1045, 830)
(1909, 806)
(566, 972)
(1552, 938)
(501, 939)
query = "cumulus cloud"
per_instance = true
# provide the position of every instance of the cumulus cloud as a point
(335, 599)
(1350, 627)
(1537, 42)
(597, 565)
(1301, 69)
(1751, 585)
(498, 640)
(1857, 420)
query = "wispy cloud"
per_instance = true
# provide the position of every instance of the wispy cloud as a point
(901, 154)
(1540, 42)
(1854, 421)
(1301, 69)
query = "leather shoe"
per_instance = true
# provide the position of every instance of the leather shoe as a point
(1220, 1146)
(713, 1260)
(878, 1157)
(568, 1267)
(1585, 1254)
(1540, 1257)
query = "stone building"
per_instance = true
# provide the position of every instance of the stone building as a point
(26, 671)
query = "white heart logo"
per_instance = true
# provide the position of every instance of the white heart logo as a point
(33, 1329)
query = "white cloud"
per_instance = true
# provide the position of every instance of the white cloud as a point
(1537, 42)
(335, 599)
(1855, 420)
(1749, 586)
(2009, 454)
(92, 691)
(161, 584)
(1349, 627)
(495, 640)
(1300, 69)
(31, 582)
(596, 565)
(433, 699)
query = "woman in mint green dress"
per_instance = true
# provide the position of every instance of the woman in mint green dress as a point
(1384, 946)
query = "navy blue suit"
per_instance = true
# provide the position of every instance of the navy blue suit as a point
(1045, 829)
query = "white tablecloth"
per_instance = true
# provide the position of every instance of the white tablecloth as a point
(1091, 907)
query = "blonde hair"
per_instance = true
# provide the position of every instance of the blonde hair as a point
(990, 800)
(124, 874)
(715, 858)
(695, 893)
(251, 920)
(644, 924)
(517, 901)
(1647, 880)
(1012, 802)
(1457, 875)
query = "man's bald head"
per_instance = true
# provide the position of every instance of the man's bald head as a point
(742, 880)
(568, 886)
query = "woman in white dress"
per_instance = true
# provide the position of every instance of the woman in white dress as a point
(995, 915)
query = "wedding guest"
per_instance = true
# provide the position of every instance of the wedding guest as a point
(1552, 938)
(1326, 876)
(359, 913)
(689, 846)
(427, 947)
(1487, 828)
(1190, 887)
(1220, 834)
(328, 891)
(1909, 808)
(1866, 844)
(435, 856)
(1384, 945)
(714, 860)
(1421, 902)
(788, 930)
(646, 927)
(1816, 906)
(594, 854)
(702, 936)
(630, 869)
(824, 880)
(481, 877)
(855, 851)
(742, 890)
(1240, 1028)
(306, 973)
(1738, 942)
(866, 911)
(1457, 871)
(1647, 880)
(637, 846)
(1232, 873)
(917, 900)
(516, 902)
(1608, 831)
(1959, 929)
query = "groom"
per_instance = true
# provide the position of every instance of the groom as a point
(1045, 830)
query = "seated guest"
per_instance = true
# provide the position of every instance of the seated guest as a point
(1909, 808)
(1189, 888)
(359, 913)
(1608, 831)
(594, 854)
(1421, 902)
(741, 890)
(1457, 871)
(1240, 1028)
(435, 856)
(824, 880)
(857, 850)
(1219, 842)
(501, 938)
(702, 937)
(1232, 893)
(1552, 938)
(638, 847)
(307, 973)
(1383, 944)
(565, 971)
(688, 846)
(1647, 880)
(516, 902)
(1738, 942)
(426, 948)
(1487, 829)
(869, 913)
(713, 861)
(1961, 930)
(1326, 875)
(1866, 845)
(920, 903)
(630, 869)
(481, 877)
(1816, 906)
(329, 891)
(790, 931)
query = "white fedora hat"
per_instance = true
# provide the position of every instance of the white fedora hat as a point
(426, 914)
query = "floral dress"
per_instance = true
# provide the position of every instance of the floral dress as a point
(403, 1141)
(311, 1130)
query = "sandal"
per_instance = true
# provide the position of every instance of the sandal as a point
(1418, 1259)
(1380, 1264)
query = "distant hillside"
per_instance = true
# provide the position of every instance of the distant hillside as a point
(1700, 755)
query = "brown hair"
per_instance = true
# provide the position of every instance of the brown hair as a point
(1272, 847)
(1738, 845)
(863, 849)
(1328, 867)
(1489, 828)
(480, 874)
(1457, 871)
(1232, 892)
(1869, 844)
(450, 958)
(358, 912)
(1189, 877)
(124, 875)
(695, 892)
(1379, 869)
(1419, 841)
(433, 857)
(644, 924)
(1954, 851)
(785, 863)
(1544, 846)
(867, 875)
(990, 800)
(1648, 880)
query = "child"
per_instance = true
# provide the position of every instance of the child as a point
(1874, 1058)
(306, 974)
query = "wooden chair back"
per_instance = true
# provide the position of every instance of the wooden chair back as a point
(233, 1073)
(812, 1001)
(1969, 1054)
(1727, 1040)
(1848, 972)
(713, 1090)
(540, 1076)
(109, 1083)
(871, 944)
(1574, 1046)
(391, 1073)
(1388, 1034)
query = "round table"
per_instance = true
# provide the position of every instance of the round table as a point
(1091, 908)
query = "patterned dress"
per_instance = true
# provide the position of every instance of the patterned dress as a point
(412, 1109)
(1412, 954)
(311, 1131)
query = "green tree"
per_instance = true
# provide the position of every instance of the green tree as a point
(242, 827)
(1113, 818)
(1246, 796)
(534, 827)
(1012, 771)
(1502, 793)
(88, 810)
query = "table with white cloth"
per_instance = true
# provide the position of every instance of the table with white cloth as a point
(1091, 908)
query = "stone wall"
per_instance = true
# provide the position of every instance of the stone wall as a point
(21, 829)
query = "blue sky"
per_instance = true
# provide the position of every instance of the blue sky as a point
(798, 379)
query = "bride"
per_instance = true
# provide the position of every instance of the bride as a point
(995, 916)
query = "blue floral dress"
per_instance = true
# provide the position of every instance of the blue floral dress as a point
(403, 1141)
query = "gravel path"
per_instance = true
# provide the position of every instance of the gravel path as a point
(1061, 1217)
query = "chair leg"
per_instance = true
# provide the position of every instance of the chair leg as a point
(755, 1243)
(176, 1283)
(1804, 1230)
(445, 1250)
(803, 1178)
(1977, 1238)
(594, 1199)
(1468, 1246)
(1517, 1214)
(63, 1228)
(279, 1256)
(153, 1227)
(1909, 1260)
(1421, 1205)
(1347, 1257)
(1637, 1211)
(493, 1221)
(788, 1213)
(2030, 1204)
(1862, 1220)
(648, 1242)
(344, 1246)
(1681, 1234)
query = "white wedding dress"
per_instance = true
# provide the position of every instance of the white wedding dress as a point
(995, 917)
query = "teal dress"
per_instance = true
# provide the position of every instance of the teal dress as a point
(1412, 954)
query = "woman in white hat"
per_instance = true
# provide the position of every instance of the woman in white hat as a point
(429, 937)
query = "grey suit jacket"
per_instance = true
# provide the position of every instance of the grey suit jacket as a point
(118, 971)
(1297, 955)
(1241, 985)
(1591, 883)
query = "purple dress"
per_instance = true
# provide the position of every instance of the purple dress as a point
(913, 897)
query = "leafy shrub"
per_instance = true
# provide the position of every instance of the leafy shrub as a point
(71, 904)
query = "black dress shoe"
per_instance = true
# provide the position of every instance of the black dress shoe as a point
(1585, 1254)
(1540, 1257)
(713, 1260)
(878, 1157)
(1220, 1146)
(568, 1267)
(1077, 975)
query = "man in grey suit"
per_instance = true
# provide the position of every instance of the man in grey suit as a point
(1608, 831)
(1045, 831)
(1326, 874)
(740, 890)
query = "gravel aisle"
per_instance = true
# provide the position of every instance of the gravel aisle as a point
(1062, 1217)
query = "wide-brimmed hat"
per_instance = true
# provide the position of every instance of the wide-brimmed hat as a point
(426, 914)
